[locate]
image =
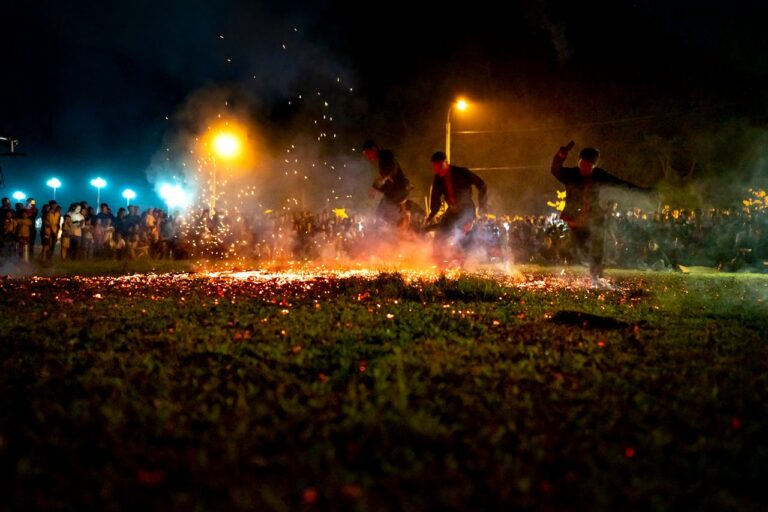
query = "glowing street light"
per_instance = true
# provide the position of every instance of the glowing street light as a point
(128, 194)
(461, 105)
(226, 146)
(54, 183)
(99, 183)
(19, 195)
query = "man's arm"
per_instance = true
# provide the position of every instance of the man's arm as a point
(435, 199)
(387, 169)
(482, 190)
(559, 159)
(609, 179)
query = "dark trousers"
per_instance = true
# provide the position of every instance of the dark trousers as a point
(451, 234)
(389, 212)
(456, 223)
(590, 241)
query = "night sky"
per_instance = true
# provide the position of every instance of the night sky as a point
(91, 88)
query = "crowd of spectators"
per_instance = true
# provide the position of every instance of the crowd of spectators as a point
(81, 232)
(728, 239)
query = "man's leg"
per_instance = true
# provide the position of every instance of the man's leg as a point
(580, 242)
(388, 212)
(444, 239)
(404, 216)
(597, 248)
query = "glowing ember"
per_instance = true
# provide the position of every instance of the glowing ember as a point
(305, 280)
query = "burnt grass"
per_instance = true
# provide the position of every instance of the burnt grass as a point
(199, 393)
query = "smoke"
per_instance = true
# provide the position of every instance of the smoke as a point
(298, 105)
(301, 139)
(17, 270)
(730, 159)
(556, 32)
(700, 166)
(187, 156)
(368, 243)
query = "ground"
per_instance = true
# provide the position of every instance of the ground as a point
(310, 389)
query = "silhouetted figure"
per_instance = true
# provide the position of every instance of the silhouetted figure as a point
(583, 213)
(391, 183)
(454, 185)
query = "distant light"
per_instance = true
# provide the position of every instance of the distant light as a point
(98, 183)
(19, 195)
(174, 195)
(226, 145)
(462, 105)
(128, 194)
(53, 183)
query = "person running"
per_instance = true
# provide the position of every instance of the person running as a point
(391, 183)
(453, 184)
(583, 213)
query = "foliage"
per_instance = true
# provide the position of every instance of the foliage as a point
(758, 201)
(559, 203)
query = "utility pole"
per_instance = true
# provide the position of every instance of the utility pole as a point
(11, 144)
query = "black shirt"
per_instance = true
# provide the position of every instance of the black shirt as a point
(456, 188)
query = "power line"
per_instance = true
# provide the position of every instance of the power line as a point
(569, 127)
(508, 168)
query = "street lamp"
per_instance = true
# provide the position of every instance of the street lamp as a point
(128, 194)
(226, 146)
(19, 195)
(99, 184)
(461, 105)
(54, 183)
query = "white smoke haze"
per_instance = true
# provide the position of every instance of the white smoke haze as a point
(17, 269)
(555, 30)
(186, 157)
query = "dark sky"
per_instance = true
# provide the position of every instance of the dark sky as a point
(87, 86)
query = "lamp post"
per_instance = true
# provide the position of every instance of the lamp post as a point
(128, 194)
(19, 195)
(54, 183)
(225, 146)
(460, 105)
(99, 183)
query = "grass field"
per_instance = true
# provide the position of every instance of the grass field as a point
(389, 391)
